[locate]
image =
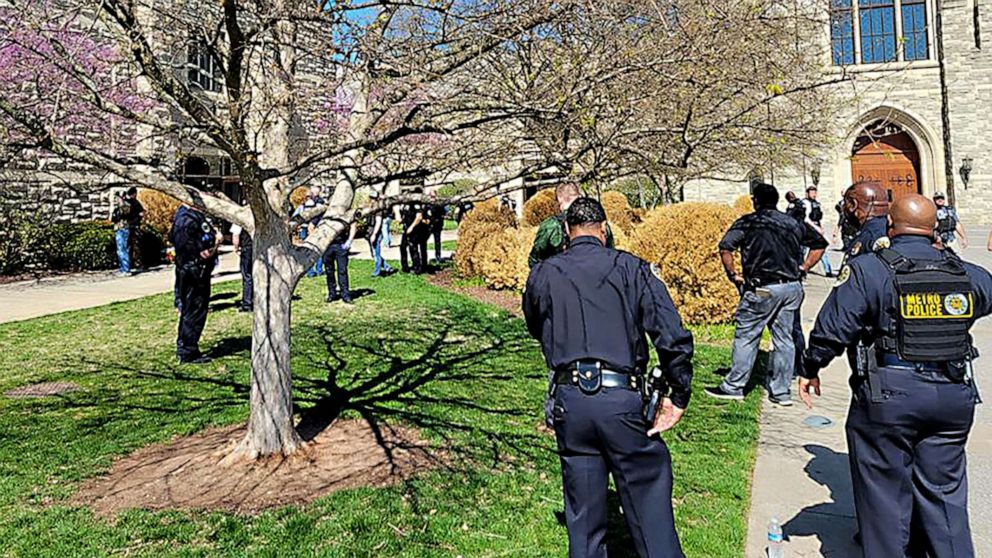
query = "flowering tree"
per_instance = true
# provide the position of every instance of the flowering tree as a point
(353, 93)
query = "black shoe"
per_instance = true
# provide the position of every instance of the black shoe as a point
(781, 401)
(246, 309)
(347, 301)
(719, 393)
(200, 359)
(331, 299)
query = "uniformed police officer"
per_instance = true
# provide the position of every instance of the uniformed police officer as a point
(413, 215)
(904, 313)
(771, 245)
(866, 205)
(590, 308)
(949, 224)
(196, 242)
(551, 237)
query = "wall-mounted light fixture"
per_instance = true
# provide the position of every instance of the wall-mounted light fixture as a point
(814, 170)
(965, 170)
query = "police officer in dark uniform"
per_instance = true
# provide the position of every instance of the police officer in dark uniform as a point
(590, 307)
(412, 215)
(866, 205)
(242, 244)
(196, 242)
(903, 313)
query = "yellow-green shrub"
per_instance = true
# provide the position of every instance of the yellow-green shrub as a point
(743, 205)
(298, 196)
(502, 258)
(682, 240)
(540, 207)
(160, 209)
(618, 210)
(486, 220)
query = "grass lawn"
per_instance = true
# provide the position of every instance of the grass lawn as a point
(481, 386)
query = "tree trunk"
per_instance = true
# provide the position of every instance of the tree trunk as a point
(271, 427)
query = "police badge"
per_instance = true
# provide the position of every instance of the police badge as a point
(843, 276)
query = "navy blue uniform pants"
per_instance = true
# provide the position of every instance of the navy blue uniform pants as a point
(601, 435)
(247, 285)
(193, 282)
(336, 258)
(908, 467)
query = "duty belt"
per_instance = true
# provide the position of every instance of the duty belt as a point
(892, 360)
(609, 379)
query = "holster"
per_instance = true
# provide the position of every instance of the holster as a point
(868, 369)
(653, 389)
(590, 377)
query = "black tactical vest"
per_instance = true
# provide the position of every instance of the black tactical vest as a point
(935, 308)
(945, 222)
(815, 211)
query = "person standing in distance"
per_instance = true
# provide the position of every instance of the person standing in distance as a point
(196, 242)
(590, 308)
(551, 237)
(906, 312)
(949, 227)
(771, 245)
(121, 218)
(336, 264)
(814, 218)
(242, 245)
(412, 214)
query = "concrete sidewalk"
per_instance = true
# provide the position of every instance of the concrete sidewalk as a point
(51, 295)
(802, 474)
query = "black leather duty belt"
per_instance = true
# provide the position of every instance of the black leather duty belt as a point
(892, 360)
(609, 378)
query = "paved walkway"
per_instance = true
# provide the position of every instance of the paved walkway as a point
(51, 295)
(802, 474)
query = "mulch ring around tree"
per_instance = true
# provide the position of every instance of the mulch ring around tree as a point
(507, 300)
(187, 473)
(46, 389)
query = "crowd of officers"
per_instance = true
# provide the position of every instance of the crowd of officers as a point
(901, 309)
(197, 238)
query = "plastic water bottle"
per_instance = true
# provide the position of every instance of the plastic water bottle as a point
(775, 549)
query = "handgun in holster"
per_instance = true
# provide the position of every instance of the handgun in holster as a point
(969, 375)
(654, 389)
(867, 363)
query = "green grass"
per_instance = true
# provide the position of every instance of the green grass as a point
(449, 245)
(484, 382)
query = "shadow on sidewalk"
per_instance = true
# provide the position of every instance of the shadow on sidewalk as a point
(832, 523)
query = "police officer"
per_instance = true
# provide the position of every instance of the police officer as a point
(904, 314)
(771, 245)
(412, 215)
(590, 308)
(551, 237)
(866, 205)
(242, 245)
(795, 207)
(196, 243)
(336, 264)
(949, 227)
(814, 218)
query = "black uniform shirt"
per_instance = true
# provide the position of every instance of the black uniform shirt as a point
(771, 245)
(866, 240)
(596, 303)
(862, 304)
(190, 234)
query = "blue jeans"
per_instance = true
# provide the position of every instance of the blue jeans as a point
(380, 263)
(774, 306)
(318, 266)
(123, 237)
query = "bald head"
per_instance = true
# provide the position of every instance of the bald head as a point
(865, 200)
(912, 214)
(566, 194)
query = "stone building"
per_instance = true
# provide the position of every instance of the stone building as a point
(918, 120)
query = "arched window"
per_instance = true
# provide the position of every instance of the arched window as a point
(878, 31)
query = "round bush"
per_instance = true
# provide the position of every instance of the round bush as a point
(682, 240)
(743, 205)
(480, 225)
(540, 207)
(502, 259)
(84, 246)
(160, 210)
(618, 210)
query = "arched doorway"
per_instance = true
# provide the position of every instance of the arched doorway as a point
(886, 155)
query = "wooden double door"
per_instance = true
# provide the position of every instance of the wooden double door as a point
(891, 161)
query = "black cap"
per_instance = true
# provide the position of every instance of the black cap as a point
(584, 212)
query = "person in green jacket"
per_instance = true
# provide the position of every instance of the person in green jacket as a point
(552, 238)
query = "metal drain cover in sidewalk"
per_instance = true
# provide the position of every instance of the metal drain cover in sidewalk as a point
(817, 421)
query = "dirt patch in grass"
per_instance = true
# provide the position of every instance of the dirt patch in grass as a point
(507, 300)
(187, 473)
(46, 389)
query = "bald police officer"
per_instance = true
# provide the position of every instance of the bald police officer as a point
(866, 205)
(904, 314)
(590, 307)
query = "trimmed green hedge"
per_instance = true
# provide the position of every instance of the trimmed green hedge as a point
(90, 245)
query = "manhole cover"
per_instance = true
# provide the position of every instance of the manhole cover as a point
(46, 389)
(817, 421)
